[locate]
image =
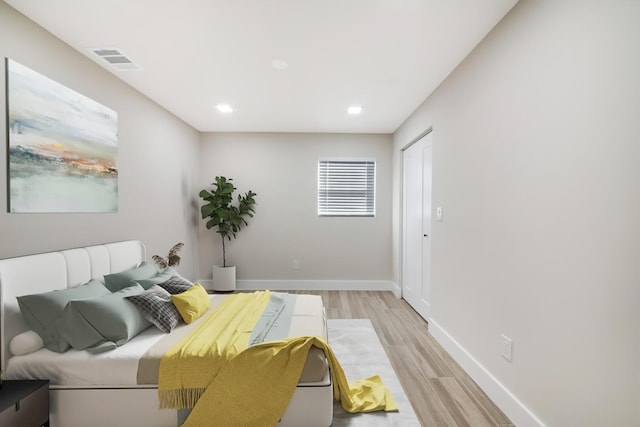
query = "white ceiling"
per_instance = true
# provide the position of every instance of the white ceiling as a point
(386, 55)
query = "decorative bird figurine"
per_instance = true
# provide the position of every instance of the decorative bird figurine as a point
(172, 260)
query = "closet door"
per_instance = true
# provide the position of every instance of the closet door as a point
(416, 256)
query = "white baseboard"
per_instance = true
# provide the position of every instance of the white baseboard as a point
(513, 408)
(397, 290)
(312, 285)
(316, 285)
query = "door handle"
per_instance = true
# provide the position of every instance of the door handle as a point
(426, 235)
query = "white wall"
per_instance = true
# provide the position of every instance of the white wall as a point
(157, 158)
(536, 151)
(282, 169)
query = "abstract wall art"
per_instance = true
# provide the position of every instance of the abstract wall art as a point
(62, 147)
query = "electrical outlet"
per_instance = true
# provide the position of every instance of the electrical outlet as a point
(295, 265)
(507, 347)
(439, 213)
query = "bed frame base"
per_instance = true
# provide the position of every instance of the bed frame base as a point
(311, 405)
(108, 407)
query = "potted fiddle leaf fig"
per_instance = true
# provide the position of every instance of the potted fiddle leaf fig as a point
(228, 219)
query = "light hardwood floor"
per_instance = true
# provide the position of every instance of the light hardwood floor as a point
(441, 393)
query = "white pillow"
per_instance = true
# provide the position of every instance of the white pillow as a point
(25, 343)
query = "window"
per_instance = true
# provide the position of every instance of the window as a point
(347, 187)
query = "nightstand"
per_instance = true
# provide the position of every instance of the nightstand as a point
(24, 403)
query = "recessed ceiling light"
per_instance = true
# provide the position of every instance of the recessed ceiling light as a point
(354, 109)
(279, 64)
(224, 108)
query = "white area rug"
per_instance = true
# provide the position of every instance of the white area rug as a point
(356, 344)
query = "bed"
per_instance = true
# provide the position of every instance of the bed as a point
(80, 393)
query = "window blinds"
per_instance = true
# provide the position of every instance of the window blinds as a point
(346, 188)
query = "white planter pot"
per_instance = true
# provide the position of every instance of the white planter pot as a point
(224, 278)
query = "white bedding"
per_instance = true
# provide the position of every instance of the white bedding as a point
(117, 367)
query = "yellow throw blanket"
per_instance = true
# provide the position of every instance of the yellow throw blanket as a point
(254, 387)
(188, 367)
(257, 386)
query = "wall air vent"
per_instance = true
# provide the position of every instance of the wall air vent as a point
(115, 58)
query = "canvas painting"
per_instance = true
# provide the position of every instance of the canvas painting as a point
(62, 147)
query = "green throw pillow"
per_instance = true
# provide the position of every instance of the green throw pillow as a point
(116, 281)
(40, 311)
(93, 323)
(162, 276)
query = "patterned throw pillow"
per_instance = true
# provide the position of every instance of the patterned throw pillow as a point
(156, 306)
(176, 285)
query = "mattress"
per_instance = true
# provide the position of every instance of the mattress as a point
(120, 367)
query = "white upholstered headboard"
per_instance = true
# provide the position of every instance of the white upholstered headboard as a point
(56, 270)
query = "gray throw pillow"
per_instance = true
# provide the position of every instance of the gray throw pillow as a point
(176, 285)
(103, 322)
(116, 281)
(162, 276)
(156, 306)
(40, 311)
